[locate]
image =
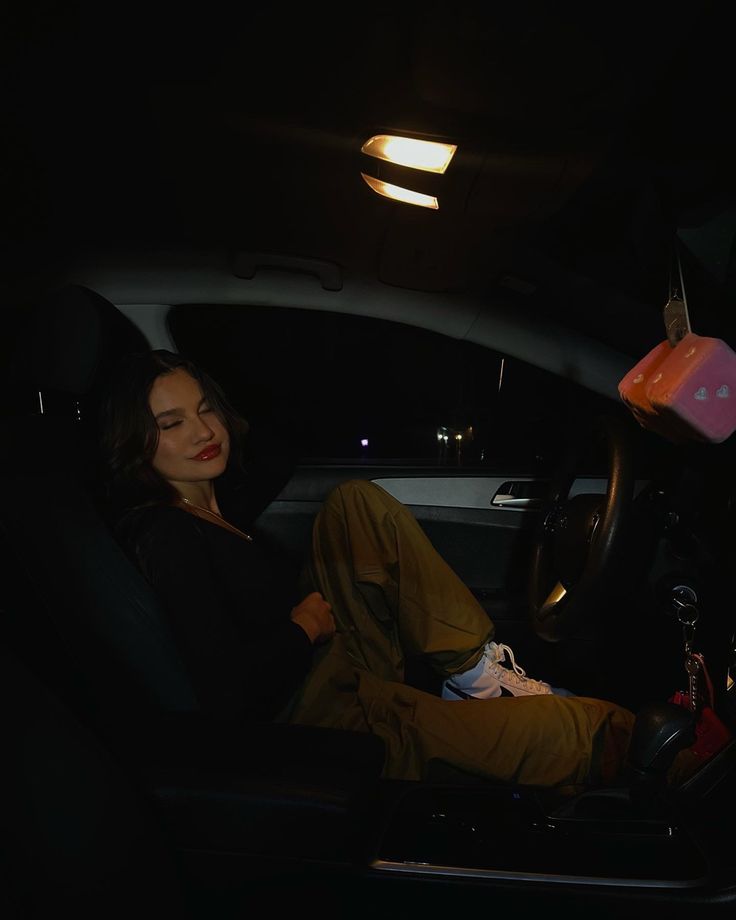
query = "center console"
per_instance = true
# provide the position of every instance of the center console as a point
(523, 834)
(656, 843)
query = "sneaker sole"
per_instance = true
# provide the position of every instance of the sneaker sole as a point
(454, 693)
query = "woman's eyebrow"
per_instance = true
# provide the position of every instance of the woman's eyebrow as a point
(178, 411)
(168, 412)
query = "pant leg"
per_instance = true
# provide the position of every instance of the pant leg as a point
(391, 593)
(534, 740)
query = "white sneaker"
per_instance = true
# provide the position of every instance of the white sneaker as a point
(490, 678)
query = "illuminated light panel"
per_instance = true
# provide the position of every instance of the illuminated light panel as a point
(430, 156)
(401, 194)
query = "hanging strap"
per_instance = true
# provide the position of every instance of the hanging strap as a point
(676, 317)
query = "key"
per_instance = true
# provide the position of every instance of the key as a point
(688, 615)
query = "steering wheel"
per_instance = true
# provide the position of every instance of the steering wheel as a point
(581, 538)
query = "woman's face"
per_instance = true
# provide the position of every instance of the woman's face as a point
(193, 443)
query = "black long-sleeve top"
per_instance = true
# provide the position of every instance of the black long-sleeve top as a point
(228, 604)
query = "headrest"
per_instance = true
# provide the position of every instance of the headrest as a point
(72, 340)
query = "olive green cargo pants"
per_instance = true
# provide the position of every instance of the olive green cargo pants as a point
(393, 596)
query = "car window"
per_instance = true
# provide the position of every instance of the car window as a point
(351, 387)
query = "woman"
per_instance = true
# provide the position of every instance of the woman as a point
(327, 645)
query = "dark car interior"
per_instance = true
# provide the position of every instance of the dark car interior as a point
(123, 793)
(236, 799)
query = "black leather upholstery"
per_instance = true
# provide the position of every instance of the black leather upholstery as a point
(79, 612)
(71, 342)
(86, 610)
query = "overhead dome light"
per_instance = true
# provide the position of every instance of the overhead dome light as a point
(401, 194)
(430, 156)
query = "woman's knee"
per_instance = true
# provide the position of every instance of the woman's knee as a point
(357, 487)
(360, 495)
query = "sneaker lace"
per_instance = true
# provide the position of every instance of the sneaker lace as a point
(499, 651)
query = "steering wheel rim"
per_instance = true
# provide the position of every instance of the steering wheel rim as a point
(558, 605)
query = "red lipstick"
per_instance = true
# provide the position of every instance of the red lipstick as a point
(209, 452)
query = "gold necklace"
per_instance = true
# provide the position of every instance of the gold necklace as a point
(219, 519)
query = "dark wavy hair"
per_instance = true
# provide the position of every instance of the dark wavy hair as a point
(129, 432)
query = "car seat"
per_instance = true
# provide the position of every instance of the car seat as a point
(84, 618)
(102, 618)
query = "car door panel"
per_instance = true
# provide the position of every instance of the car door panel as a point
(488, 545)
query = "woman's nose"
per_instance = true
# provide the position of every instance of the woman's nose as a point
(203, 432)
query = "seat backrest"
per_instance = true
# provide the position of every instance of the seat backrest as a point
(78, 613)
(82, 607)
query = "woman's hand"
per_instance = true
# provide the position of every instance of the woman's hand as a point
(314, 615)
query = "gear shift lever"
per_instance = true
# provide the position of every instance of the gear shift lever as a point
(661, 731)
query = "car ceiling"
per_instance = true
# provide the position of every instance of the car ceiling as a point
(587, 137)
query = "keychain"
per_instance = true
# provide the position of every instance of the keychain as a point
(711, 733)
(675, 314)
(688, 615)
